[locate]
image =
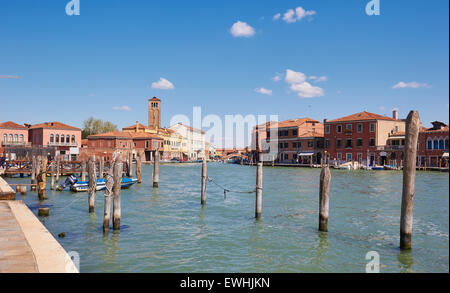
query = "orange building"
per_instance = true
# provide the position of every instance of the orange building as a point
(12, 134)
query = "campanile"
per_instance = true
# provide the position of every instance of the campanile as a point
(154, 113)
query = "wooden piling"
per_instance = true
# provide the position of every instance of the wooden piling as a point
(118, 169)
(52, 181)
(83, 171)
(409, 174)
(138, 167)
(259, 184)
(41, 178)
(101, 167)
(108, 194)
(43, 212)
(204, 174)
(324, 198)
(130, 164)
(23, 190)
(92, 184)
(156, 170)
(58, 168)
(33, 173)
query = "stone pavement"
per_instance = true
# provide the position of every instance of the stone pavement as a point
(16, 255)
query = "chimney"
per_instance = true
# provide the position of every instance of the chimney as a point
(325, 121)
(137, 126)
(395, 114)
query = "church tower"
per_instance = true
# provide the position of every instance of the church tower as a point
(154, 113)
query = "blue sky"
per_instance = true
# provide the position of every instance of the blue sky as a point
(73, 67)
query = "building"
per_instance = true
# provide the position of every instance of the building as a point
(154, 113)
(299, 140)
(12, 135)
(433, 149)
(363, 136)
(195, 140)
(65, 139)
(120, 142)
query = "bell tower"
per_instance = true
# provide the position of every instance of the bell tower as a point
(154, 113)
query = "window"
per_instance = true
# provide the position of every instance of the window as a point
(10, 138)
(338, 143)
(349, 156)
(446, 143)
(441, 144)
(16, 138)
(21, 138)
(327, 143)
(348, 143)
(57, 138)
(436, 144)
(294, 145)
(372, 142)
(339, 129)
(294, 132)
(349, 126)
(5, 138)
(360, 127)
(359, 142)
(62, 138)
(310, 143)
(146, 144)
(327, 128)
(372, 127)
(429, 144)
(73, 138)
(339, 156)
(360, 157)
(403, 142)
(286, 145)
(52, 138)
(286, 156)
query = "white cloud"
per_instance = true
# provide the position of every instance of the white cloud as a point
(318, 79)
(263, 91)
(294, 77)
(163, 84)
(242, 29)
(291, 16)
(122, 108)
(277, 77)
(276, 16)
(413, 85)
(306, 90)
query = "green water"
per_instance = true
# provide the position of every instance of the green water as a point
(166, 230)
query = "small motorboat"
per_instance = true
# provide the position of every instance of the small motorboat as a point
(377, 168)
(101, 185)
(390, 167)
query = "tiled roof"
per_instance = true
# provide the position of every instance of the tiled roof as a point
(362, 116)
(431, 130)
(292, 122)
(154, 99)
(10, 124)
(140, 126)
(54, 125)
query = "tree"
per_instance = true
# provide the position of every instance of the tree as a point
(93, 126)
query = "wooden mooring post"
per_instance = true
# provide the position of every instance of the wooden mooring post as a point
(52, 181)
(58, 168)
(409, 177)
(92, 184)
(101, 167)
(204, 174)
(138, 167)
(324, 198)
(83, 171)
(130, 164)
(156, 170)
(108, 194)
(118, 171)
(41, 178)
(33, 173)
(259, 185)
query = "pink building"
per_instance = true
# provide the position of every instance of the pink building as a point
(66, 139)
(12, 134)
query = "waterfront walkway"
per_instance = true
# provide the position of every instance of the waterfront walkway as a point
(26, 246)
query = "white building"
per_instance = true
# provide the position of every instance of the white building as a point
(195, 140)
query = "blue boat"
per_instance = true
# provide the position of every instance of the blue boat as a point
(83, 186)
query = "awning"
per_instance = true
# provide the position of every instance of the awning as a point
(445, 155)
(305, 154)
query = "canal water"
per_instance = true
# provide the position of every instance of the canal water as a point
(166, 229)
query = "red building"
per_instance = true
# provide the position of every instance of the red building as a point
(363, 136)
(433, 149)
(105, 144)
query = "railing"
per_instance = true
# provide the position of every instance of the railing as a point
(15, 143)
(390, 147)
(70, 144)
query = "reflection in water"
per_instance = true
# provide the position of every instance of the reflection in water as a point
(406, 261)
(323, 246)
(112, 247)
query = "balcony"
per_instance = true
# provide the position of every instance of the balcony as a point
(66, 144)
(390, 148)
(15, 143)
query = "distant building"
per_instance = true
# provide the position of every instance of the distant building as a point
(433, 149)
(12, 134)
(195, 139)
(154, 113)
(65, 139)
(120, 142)
(363, 136)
